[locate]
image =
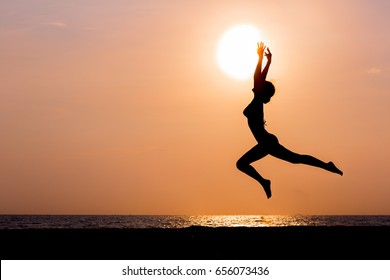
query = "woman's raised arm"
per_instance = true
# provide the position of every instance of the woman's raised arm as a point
(260, 75)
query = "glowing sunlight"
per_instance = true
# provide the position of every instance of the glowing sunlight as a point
(236, 53)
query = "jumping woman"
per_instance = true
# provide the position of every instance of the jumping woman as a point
(268, 144)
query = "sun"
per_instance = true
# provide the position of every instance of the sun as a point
(236, 53)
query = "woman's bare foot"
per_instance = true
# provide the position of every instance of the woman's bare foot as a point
(267, 187)
(334, 169)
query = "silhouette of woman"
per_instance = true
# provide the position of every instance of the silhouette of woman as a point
(268, 144)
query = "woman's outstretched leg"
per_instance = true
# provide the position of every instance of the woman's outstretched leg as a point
(282, 153)
(243, 164)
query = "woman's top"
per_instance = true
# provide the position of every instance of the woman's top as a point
(255, 111)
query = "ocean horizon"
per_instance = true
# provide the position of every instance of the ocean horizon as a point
(184, 221)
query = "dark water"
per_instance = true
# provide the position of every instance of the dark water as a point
(157, 221)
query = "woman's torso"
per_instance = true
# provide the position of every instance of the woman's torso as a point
(255, 115)
(255, 111)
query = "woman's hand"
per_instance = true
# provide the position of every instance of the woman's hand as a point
(260, 48)
(268, 55)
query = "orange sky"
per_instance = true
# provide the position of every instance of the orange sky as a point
(119, 107)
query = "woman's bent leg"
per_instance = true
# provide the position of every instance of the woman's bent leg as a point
(243, 164)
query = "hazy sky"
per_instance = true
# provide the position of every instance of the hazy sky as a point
(120, 107)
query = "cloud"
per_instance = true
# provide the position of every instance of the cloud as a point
(57, 24)
(374, 70)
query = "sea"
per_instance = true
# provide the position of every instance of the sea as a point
(178, 221)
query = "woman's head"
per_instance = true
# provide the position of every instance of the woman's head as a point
(267, 92)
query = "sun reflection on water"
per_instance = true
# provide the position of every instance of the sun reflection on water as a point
(250, 221)
(264, 220)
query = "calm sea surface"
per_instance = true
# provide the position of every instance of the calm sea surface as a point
(133, 221)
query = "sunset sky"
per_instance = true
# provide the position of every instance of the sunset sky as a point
(120, 107)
